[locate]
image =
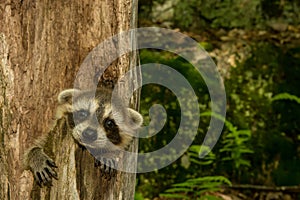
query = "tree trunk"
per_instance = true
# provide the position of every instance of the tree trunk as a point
(42, 44)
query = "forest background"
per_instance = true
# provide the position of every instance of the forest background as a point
(256, 46)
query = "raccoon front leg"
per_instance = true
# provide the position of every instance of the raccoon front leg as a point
(107, 166)
(42, 166)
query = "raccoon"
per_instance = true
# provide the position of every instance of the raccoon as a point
(97, 122)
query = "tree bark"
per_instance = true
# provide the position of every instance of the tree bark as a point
(42, 44)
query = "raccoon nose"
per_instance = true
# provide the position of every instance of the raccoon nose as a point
(89, 134)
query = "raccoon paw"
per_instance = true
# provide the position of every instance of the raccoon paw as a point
(42, 167)
(107, 166)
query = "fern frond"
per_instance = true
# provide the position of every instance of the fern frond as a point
(286, 96)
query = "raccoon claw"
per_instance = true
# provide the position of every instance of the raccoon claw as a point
(44, 175)
(51, 163)
(43, 179)
(43, 169)
(107, 167)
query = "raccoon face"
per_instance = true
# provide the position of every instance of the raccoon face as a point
(96, 121)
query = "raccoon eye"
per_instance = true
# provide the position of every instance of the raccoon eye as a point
(81, 115)
(109, 124)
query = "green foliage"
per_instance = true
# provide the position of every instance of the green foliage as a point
(199, 187)
(256, 120)
(196, 188)
(210, 197)
(286, 96)
(233, 153)
(272, 122)
(194, 152)
(151, 184)
(287, 11)
(234, 143)
(281, 174)
(241, 13)
(138, 196)
(198, 14)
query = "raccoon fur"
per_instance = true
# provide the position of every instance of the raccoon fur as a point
(97, 122)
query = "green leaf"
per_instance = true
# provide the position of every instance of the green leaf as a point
(201, 162)
(176, 196)
(184, 184)
(172, 190)
(210, 197)
(286, 96)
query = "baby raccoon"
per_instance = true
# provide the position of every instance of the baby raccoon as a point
(97, 122)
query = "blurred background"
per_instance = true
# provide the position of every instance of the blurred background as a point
(256, 46)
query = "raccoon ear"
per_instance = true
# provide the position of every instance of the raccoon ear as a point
(66, 96)
(136, 118)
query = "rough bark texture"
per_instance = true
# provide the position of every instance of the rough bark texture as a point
(42, 44)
